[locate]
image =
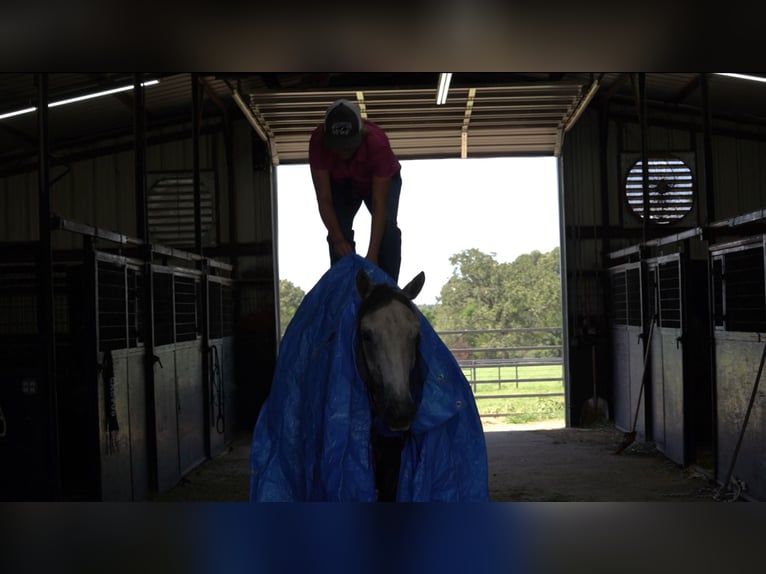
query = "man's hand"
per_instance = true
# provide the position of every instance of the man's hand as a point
(342, 247)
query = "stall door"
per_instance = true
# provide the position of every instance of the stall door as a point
(628, 350)
(740, 335)
(667, 359)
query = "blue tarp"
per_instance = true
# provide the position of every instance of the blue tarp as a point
(311, 441)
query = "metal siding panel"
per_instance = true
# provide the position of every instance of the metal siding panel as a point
(191, 406)
(21, 194)
(244, 184)
(166, 406)
(674, 419)
(123, 205)
(736, 368)
(104, 193)
(726, 179)
(138, 436)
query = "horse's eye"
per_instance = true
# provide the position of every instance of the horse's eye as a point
(366, 335)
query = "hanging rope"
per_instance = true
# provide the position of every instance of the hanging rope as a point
(110, 402)
(216, 392)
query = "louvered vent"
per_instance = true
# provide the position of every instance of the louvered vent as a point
(671, 189)
(171, 210)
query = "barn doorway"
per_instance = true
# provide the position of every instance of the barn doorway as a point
(486, 232)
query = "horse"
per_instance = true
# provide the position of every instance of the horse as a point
(388, 333)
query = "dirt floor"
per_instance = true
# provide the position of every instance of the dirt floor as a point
(529, 463)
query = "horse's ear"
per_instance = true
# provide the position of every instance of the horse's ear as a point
(412, 288)
(363, 283)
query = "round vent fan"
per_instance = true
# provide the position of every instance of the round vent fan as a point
(671, 189)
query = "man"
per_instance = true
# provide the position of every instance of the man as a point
(352, 162)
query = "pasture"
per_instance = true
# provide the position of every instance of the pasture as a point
(517, 393)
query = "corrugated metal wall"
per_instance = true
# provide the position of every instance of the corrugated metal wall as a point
(101, 191)
(593, 231)
(739, 187)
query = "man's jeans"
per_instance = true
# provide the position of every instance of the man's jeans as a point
(347, 204)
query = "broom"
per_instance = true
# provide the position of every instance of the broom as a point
(630, 437)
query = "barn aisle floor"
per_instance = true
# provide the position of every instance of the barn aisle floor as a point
(542, 462)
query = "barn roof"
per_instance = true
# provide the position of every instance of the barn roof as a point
(485, 114)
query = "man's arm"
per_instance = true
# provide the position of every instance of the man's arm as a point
(379, 199)
(321, 179)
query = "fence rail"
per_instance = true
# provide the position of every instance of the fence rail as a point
(520, 368)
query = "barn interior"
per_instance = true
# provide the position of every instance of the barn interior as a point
(138, 282)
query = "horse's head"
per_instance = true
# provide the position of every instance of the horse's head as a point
(388, 335)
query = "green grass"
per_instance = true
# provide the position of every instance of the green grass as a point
(522, 409)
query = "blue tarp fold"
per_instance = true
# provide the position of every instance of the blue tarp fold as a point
(311, 441)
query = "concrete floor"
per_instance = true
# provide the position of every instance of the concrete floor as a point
(542, 462)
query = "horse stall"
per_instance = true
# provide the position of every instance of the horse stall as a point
(109, 433)
(627, 351)
(661, 300)
(678, 384)
(27, 424)
(739, 318)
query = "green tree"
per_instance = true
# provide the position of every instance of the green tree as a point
(290, 297)
(485, 294)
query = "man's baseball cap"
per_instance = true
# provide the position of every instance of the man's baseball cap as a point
(342, 126)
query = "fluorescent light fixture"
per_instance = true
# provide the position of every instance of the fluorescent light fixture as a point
(78, 99)
(17, 113)
(99, 94)
(743, 76)
(444, 81)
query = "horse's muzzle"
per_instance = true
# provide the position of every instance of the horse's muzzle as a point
(398, 418)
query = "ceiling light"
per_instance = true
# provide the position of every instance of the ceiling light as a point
(17, 113)
(743, 77)
(78, 99)
(444, 81)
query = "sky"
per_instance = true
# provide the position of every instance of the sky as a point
(505, 206)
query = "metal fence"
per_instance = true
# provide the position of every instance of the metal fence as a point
(506, 368)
